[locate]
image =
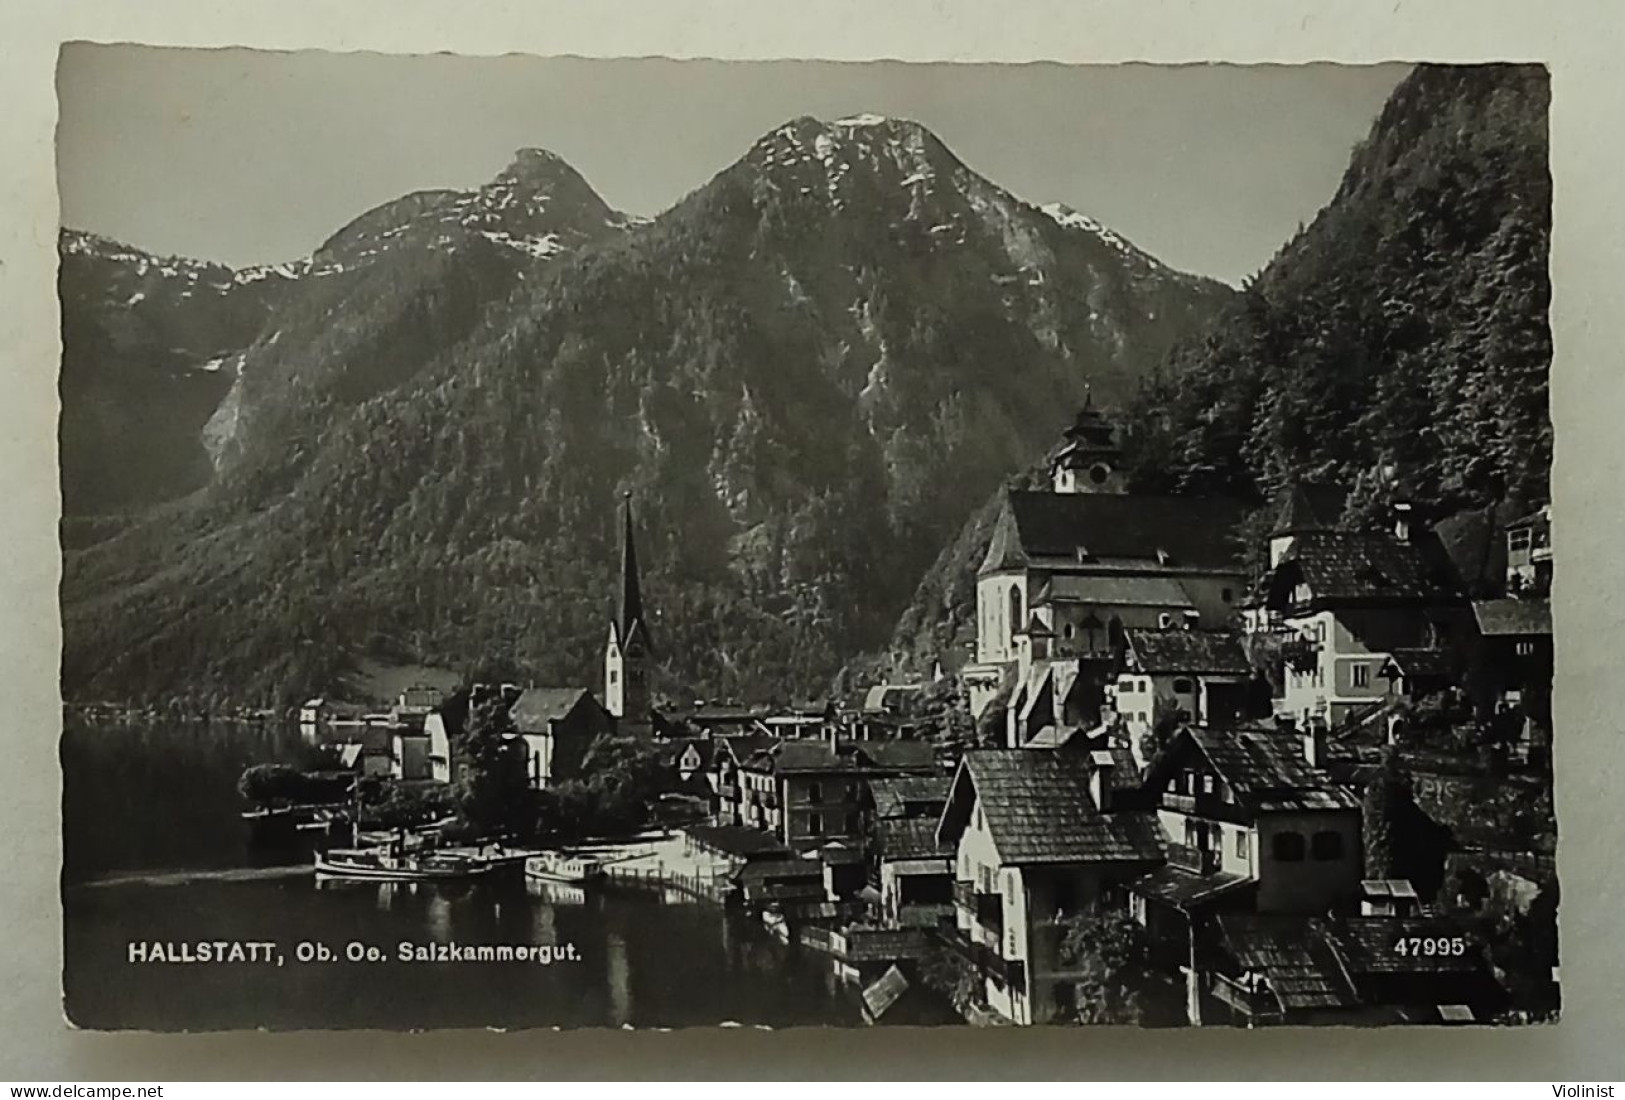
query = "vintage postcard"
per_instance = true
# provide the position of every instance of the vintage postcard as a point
(553, 542)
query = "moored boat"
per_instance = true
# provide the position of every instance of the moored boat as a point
(386, 865)
(563, 867)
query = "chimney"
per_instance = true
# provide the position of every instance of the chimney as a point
(1100, 779)
(1402, 520)
(1314, 744)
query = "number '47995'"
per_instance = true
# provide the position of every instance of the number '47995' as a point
(1413, 946)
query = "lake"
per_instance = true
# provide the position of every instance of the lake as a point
(154, 853)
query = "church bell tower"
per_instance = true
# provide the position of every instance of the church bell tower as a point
(630, 646)
(1088, 459)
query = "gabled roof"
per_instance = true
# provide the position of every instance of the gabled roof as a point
(893, 794)
(1419, 662)
(1357, 566)
(536, 707)
(899, 755)
(1038, 808)
(1265, 768)
(742, 746)
(794, 757)
(1036, 528)
(1293, 956)
(909, 838)
(1113, 590)
(1503, 618)
(1307, 506)
(1190, 651)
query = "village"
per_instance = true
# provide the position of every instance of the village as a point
(1172, 779)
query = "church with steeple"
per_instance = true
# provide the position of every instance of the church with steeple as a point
(1071, 570)
(630, 647)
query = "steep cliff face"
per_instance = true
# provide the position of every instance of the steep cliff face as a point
(809, 371)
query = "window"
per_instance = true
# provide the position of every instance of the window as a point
(1362, 675)
(1226, 595)
(1069, 632)
(1015, 612)
(1287, 847)
(1098, 474)
(1207, 784)
(815, 792)
(1526, 649)
(1241, 843)
(1518, 539)
(614, 676)
(815, 823)
(1182, 686)
(1326, 845)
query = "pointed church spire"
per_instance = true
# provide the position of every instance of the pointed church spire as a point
(629, 620)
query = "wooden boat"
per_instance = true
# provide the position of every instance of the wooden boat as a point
(563, 867)
(386, 865)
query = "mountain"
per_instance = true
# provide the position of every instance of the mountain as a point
(155, 347)
(1398, 344)
(808, 372)
(146, 347)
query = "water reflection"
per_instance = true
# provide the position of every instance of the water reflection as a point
(152, 816)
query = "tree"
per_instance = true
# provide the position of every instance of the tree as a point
(267, 785)
(1120, 985)
(490, 789)
(1401, 840)
(1387, 797)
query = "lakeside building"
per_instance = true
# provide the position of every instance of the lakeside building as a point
(1037, 838)
(808, 793)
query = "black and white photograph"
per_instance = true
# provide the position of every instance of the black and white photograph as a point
(552, 542)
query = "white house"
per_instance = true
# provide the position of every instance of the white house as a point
(1036, 839)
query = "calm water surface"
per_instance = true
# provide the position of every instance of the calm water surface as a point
(154, 851)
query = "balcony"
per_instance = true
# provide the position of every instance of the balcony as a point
(988, 962)
(1201, 861)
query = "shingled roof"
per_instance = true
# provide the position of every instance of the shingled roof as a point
(1038, 809)
(1503, 618)
(1294, 957)
(1192, 651)
(910, 838)
(536, 707)
(1113, 590)
(1265, 768)
(1054, 529)
(893, 794)
(1366, 946)
(1357, 566)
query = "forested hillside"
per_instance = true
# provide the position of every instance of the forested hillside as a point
(1406, 327)
(1398, 344)
(808, 372)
